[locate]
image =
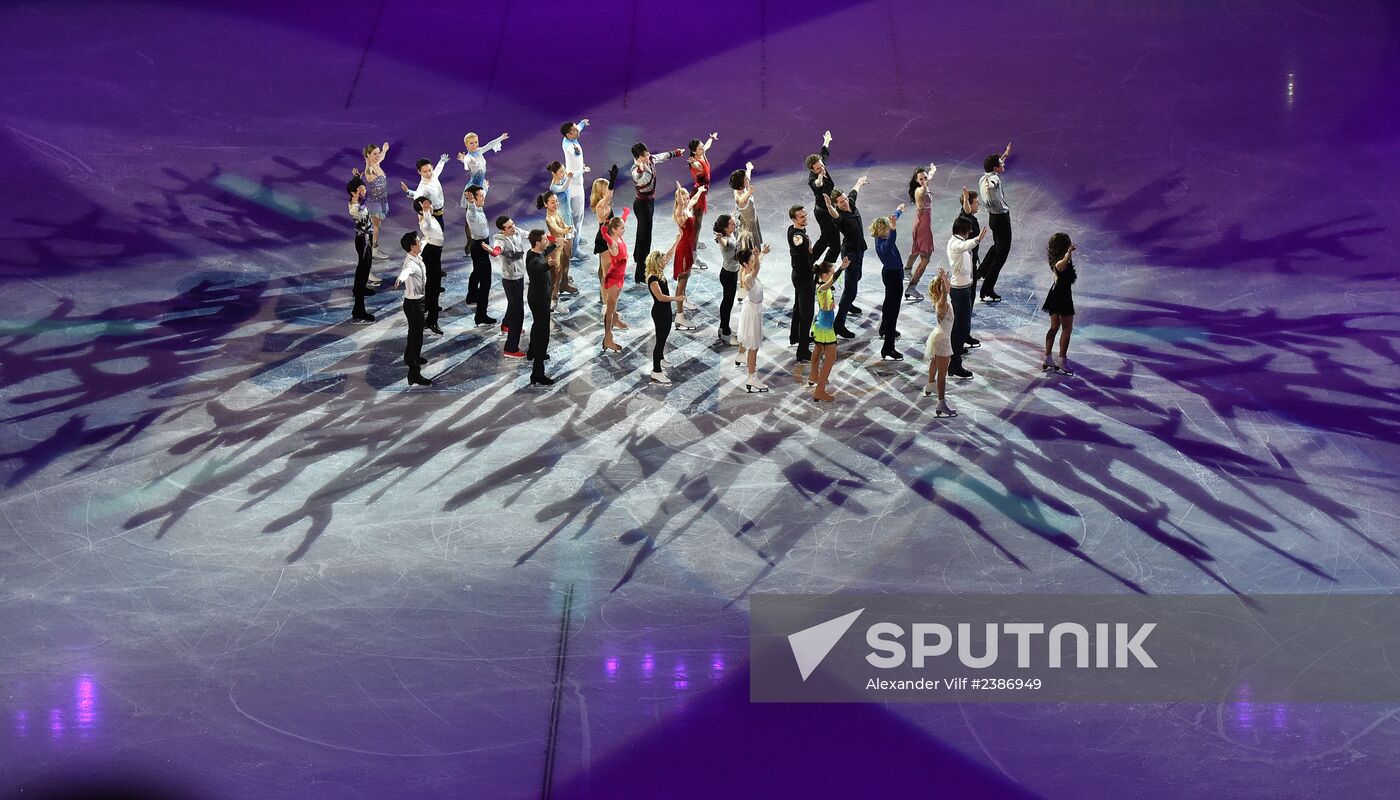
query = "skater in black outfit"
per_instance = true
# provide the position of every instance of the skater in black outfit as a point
(541, 297)
(1059, 303)
(661, 315)
(364, 247)
(804, 288)
(821, 183)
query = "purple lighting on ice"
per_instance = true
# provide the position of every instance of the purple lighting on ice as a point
(86, 702)
(716, 666)
(611, 667)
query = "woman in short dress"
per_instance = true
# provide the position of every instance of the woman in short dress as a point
(683, 214)
(1059, 303)
(378, 184)
(614, 276)
(824, 330)
(939, 349)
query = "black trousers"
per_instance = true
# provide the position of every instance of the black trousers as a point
(643, 209)
(729, 282)
(661, 317)
(364, 251)
(804, 306)
(432, 259)
(889, 310)
(515, 311)
(413, 350)
(479, 282)
(1001, 248)
(961, 300)
(851, 278)
(829, 241)
(539, 338)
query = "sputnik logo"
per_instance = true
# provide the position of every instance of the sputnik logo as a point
(810, 646)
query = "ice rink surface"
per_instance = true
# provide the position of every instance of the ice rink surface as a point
(240, 555)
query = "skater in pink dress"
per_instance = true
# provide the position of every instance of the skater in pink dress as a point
(923, 231)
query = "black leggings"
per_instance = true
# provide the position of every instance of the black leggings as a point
(829, 241)
(729, 281)
(432, 261)
(889, 310)
(1001, 248)
(661, 318)
(362, 266)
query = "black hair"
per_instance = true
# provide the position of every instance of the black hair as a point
(991, 162)
(354, 185)
(420, 202)
(722, 222)
(914, 182)
(553, 167)
(736, 179)
(1058, 246)
(544, 196)
(694, 145)
(962, 226)
(639, 149)
(564, 129)
(422, 162)
(535, 236)
(408, 240)
(743, 256)
(792, 212)
(501, 222)
(475, 190)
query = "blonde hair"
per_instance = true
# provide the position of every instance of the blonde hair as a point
(600, 185)
(615, 223)
(678, 212)
(938, 293)
(469, 137)
(880, 228)
(656, 263)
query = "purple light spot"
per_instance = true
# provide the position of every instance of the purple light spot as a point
(716, 666)
(86, 702)
(1281, 715)
(22, 723)
(611, 666)
(682, 680)
(648, 665)
(56, 722)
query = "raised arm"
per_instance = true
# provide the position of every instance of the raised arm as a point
(894, 218)
(741, 196)
(495, 144)
(1065, 259)
(709, 141)
(442, 160)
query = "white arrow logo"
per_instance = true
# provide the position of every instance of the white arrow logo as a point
(811, 645)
